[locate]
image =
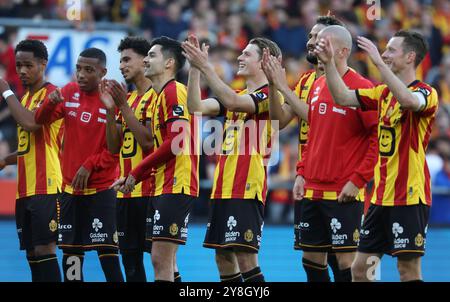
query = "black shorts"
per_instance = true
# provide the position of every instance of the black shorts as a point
(235, 224)
(132, 224)
(88, 221)
(327, 225)
(36, 220)
(398, 231)
(170, 218)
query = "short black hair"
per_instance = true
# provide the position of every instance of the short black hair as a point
(94, 53)
(329, 20)
(413, 41)
(138, 44)
(38, 48)
(170, 48)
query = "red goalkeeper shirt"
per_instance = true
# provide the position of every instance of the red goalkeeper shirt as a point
(84, 138)
(342, 141)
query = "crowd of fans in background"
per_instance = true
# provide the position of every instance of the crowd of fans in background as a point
(228, 25)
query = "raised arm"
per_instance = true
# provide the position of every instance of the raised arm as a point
(339, 91)
(277, 111)
(209, 107)
(276, 75)
(227, 96)
(23, 116)
(406, 98)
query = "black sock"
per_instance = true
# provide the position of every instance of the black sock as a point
(254, 275)
(346, 275)
(70, 263)
(176, 277)
(133, 262)
(315, 272)
(48, 268)
(232, 278)
(109, 259)
(332, 262)
(33, 268)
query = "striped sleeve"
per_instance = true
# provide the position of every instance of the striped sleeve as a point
(368, 97)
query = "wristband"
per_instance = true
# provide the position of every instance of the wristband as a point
(7, 93)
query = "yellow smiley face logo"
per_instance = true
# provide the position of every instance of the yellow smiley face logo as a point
(129, 144)
(386, 141)
(229, 141)
(23, 142)
(303, 132)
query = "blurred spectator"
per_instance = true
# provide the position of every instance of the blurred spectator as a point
(170, 25)
(442, 82)
(289, 34)
(434, 159)
(199, 27)
(152, 14)
(233, 34)
(8, 61)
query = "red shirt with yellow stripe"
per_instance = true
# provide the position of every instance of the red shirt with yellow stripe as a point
(84, 138)
(241, 170)
(38, 165)
(131, 153)
(401, 173)
(342, 143)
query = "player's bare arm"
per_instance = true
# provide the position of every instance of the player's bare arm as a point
(10, 159)
(341, 94)
(276, 75)
(404, 96)
(24, 117)
(113, 131)
(227, 96)
(208, 107)
(141, 132)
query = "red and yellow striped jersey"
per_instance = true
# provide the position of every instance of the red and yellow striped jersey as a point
(38, 165)
(302, 90)
(131, 153)
(180, 174)
(241, 168)
(401, 173)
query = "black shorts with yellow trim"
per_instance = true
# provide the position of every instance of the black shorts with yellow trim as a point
(36, 220)
(327, 225)
(170, 218)
(235, 224)
(88, 222)
(133, 223)
(399, 231)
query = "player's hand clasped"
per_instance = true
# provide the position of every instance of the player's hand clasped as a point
(124, 185)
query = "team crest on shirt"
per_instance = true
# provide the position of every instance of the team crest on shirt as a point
(173, 229)
(178, 110)
(356, 236)
(260, 95)
(53, 226)
(116, 237)
(248, 235)
(419, 240)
